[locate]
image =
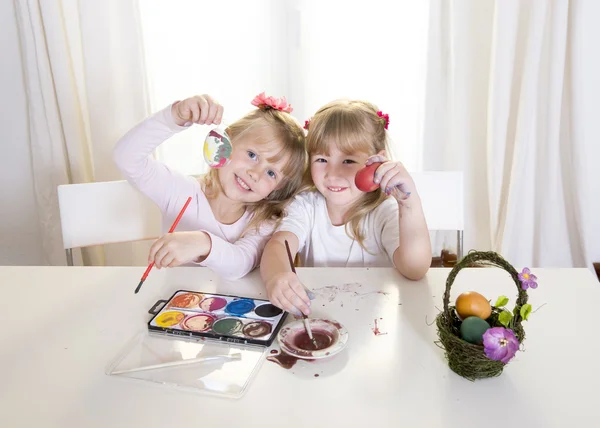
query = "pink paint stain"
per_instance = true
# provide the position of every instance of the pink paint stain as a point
(331, 292)
(376, 330)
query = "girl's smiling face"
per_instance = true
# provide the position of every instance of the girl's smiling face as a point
(333, 175)
(255, 169)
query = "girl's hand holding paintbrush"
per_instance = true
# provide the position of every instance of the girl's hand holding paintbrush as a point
(286, 291)
(178, 248)
(284, 288)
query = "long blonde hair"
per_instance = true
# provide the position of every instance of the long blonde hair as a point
(353, 126)
(290, 135)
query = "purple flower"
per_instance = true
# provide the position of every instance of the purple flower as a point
(528, 280)
(500, 344)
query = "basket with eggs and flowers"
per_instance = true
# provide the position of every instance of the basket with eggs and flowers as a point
(478, 338)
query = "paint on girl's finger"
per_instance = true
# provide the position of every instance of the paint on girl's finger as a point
(311, 295)
(398, 190)
(404, 194)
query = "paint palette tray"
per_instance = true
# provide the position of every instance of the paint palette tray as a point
(202, 342)
(188, 364)
(217, 316)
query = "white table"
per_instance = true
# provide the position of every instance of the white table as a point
(52, 371)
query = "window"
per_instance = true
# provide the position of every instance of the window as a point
(311, 51)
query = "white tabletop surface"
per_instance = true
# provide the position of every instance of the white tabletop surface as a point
(52, 370)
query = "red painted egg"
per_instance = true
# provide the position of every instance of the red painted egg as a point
(364, 178)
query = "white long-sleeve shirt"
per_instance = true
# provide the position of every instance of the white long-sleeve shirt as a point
(231, 256)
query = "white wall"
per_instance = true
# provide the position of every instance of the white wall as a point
(19, 230)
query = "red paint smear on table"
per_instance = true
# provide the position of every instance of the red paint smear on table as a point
(284, 360)
(376, 330)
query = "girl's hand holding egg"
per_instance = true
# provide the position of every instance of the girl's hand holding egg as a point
(391, 177)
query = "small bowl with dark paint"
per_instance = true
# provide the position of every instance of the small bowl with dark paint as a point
(330, 337)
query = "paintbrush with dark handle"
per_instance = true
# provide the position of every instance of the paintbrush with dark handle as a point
(304, 317)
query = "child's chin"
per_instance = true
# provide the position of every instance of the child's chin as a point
(342, 198)
(246, 197)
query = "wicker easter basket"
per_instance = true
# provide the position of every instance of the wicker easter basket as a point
(466, 359)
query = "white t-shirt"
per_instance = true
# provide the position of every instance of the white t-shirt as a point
(321, 244)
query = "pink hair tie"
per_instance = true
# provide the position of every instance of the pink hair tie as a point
(265, 103)
(307, 124)
(385, 118)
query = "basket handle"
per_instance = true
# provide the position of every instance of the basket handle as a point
(487, 258)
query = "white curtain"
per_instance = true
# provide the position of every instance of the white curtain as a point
(498, 107)
(84, 79)
(199, 46)
(367, 50)
(311, 51)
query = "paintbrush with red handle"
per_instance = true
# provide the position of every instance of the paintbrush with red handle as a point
(304, 317)
(149, 268)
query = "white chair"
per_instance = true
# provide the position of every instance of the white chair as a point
(442, 196)
(105, 213)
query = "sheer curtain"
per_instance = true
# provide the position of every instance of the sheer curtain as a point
(231, 50)
(499, 106)
(84, 80)
(310, 51)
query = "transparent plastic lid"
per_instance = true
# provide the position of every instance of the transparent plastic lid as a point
(191, 364)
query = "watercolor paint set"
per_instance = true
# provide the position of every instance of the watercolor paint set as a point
(217, 316)
(202, 343)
